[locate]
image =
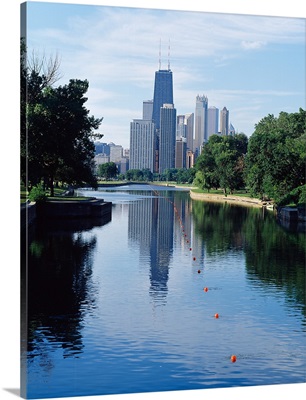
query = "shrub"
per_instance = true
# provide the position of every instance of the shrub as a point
(38, 193)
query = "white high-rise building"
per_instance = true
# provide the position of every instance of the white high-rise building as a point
(200, 123)
(212, 121)
(116, 152)
(224, 121)
(142, 141)
(189, 122)
(167, 136)
(147, 109)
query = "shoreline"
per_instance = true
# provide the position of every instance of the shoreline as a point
(232, 199)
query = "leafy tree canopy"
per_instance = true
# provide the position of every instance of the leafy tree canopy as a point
(276, 158)
(56, 129)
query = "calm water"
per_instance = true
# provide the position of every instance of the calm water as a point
(118, 306)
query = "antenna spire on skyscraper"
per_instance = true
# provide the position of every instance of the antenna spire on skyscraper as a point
(169, 56)
(159, 61)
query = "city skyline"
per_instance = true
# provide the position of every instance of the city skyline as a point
(252, 65)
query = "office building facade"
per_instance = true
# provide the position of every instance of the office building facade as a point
(163, 93)
(212, 121)
(147, 109)
(167, 137)
(142, 141)
(180, 152)
(224, 121)
(200, 123)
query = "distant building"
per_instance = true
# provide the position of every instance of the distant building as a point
(142, 140)
(101, 148)
(189, 159)
(180, 152)
(200, 123)
(163, 93)
(212, 121)
(147, 110)
(180, 127)
(101, 159)
(123, 165)
(167, 136)
(189, 123)
(116, 152)
(224, 121)
(232, 130)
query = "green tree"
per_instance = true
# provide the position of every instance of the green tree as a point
(275, 162)
(221, 163)
(108, 170)
(56, 128)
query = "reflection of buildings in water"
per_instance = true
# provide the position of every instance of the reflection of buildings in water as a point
(151, 226)
(198, 247)
(183, 221)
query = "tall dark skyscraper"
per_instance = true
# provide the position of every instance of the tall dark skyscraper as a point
(163, 93)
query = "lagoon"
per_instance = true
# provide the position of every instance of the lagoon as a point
(120, 306)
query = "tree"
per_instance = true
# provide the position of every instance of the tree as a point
(108, 170)
(59, 135)
(56, 128)
(276, 158)
(221, 163)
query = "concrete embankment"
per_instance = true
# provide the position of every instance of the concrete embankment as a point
(27, 214)
(241, 200)
(74, 208)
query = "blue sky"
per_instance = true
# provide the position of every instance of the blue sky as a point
(253, 65)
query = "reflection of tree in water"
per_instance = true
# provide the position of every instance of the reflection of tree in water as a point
(276, 256)
(272, 254)
(219, 225)
(59, 291)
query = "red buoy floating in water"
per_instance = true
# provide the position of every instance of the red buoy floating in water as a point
(216, 315)
(205, 289)
(233, 358)
(194, 258)
(199, 271)
(190, 249)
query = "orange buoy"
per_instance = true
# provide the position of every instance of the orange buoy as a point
(216, 315)
(205, 289)
(233, 358)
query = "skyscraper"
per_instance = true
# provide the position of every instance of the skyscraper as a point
(142, 140)
(147, 109)
(200, 126)
(180, 127)
(167, 135)
(224, 121)
(212, 121)
(163, 93)
(232, 130)
(189, 122)
(180, 152)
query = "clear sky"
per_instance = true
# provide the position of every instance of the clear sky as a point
(253, 65)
